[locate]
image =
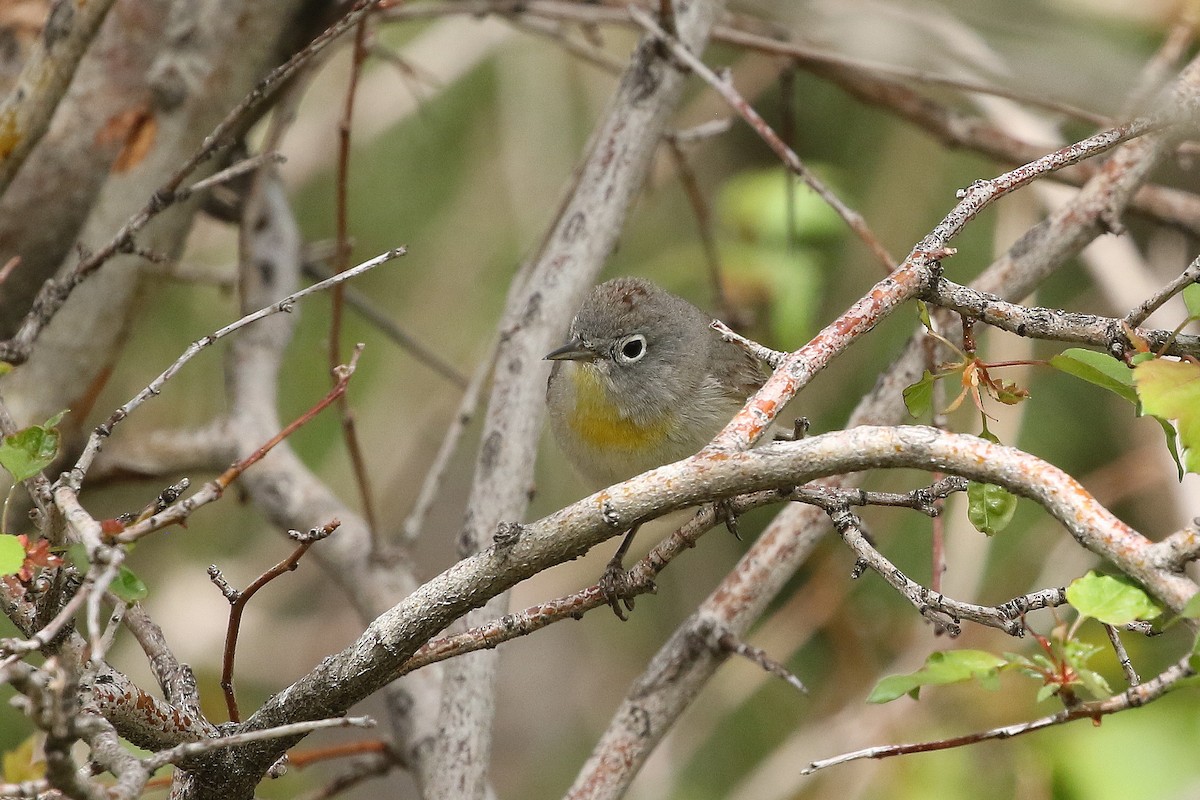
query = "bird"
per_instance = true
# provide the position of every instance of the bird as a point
(642, 380)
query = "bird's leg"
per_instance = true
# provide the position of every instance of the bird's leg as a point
(615, 581)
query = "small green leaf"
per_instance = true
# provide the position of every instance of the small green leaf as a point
(128, 587)
(1097, 368)
(1047, 691)
(989, 507)
(30, 450)
(1191, 299)
(1112, 600)
(1094, 682)
(1171, 390)
(918, 398)
(1172, 443)
(12, 554)
(923, 315)
(1192, 609)
(953, 666)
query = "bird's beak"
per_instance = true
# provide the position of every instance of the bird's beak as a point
(574, 350)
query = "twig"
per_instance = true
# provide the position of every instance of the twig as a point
(192, 749)
(238, 601)
(1156, 71)
(388, 327)
(700, 210)
(924, 499)
(177, 681)
(358, 464)
(1114, 637)
(581, 50)
(639, 579)
(935, 606)
(1133, 697)
(44, 79)
(105, 429)
(1151, 304)
(772, 358)
(305, 758)
(229, 173)
(54, 293)
(1052, 324)
(215, 488)
(755, 655)
(723, 87)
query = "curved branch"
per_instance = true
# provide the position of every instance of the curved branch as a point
(380, 652)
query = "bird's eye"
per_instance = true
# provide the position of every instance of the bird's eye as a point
(631, 348)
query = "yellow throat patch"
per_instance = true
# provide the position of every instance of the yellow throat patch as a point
(598, 421)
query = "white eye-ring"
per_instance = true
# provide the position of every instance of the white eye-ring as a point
(630, 349)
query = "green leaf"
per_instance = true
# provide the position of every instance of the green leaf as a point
(128, 587)
(923, 315)
(918, 398)
(942, 667)
(20, 764)
(30, 450)
(1171, 390)
(755, 205)
(989, 507)
(1172, 443)
(12, 554)
(1094, 682)
(1110, 599)
(1097, 368)
(1191, 299)
(1192, 609)
(1048, 690)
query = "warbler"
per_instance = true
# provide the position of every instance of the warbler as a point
(643, 380)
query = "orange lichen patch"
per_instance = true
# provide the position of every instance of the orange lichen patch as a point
(10, 135)
(139, 139)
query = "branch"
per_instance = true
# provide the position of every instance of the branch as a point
(44, 79)
(104, 430)
(1052, 324)
(1132, 697)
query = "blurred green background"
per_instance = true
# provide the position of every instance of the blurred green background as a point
(467, 171)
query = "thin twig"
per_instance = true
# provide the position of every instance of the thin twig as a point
(192, 749)
(154, 388)
(723, 87)
(1114, 637)
(388, 327)
(1133, 697)
(229, 173)
(214, 489)
(350, 439)
(772, 358)
(8, 268)
(756, 655)
(1151, 304)
(238, 601)
(700, 210)
(54, 293)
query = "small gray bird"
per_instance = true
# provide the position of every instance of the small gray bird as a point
(643, 380)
